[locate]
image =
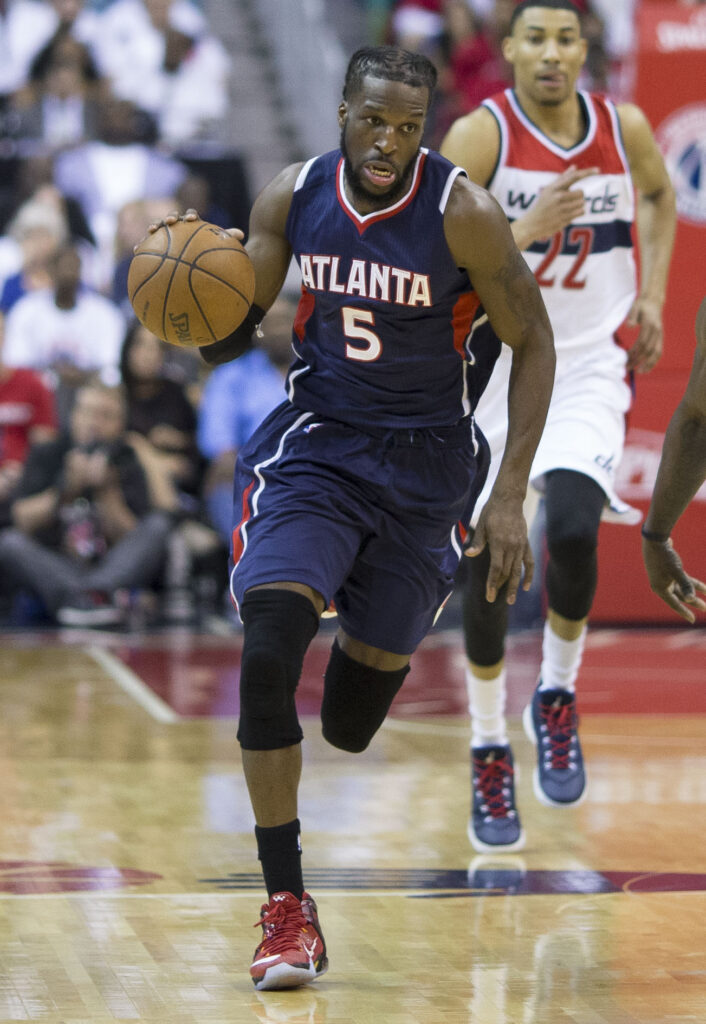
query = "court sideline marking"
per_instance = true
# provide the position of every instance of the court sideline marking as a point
(132, 685)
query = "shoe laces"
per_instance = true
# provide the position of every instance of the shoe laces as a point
(560, 723)
(282, 925)
(492, 778)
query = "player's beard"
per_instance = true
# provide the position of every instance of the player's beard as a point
(363, 195)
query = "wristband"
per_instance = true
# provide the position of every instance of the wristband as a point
(655, 538)
(235, 344)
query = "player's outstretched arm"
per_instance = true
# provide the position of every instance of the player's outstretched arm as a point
(473, 142)
(682, 470)
(656, 220)
(480, 240)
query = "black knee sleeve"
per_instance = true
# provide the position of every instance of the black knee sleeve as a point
(356, 700)
(484, 623)
(279, 626)
(573, 506)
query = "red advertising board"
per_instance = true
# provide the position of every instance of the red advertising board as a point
(670, 87)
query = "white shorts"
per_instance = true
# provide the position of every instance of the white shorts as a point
(585, 428)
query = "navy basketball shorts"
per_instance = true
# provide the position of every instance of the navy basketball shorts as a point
(374, 520)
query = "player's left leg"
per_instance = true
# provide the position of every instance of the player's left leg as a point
(573, 503)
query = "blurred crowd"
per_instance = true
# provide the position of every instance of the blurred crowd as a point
(116, 450)
(114, 474)
(464, 37)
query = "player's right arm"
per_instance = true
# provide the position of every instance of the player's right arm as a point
(270, 254)
(682, 470)
(473, 142)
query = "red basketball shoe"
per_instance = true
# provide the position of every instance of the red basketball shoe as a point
(292, 951)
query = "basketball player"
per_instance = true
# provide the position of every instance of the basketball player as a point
(360, 486)
(564, 165)
(682, 470)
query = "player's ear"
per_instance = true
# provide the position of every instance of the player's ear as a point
(584, 49)
(508, 48)
(342, 111)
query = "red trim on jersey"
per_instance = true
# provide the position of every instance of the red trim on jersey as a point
(529, 148)
(462, 532)
(238, 544)
(462, 317)
(307, 302)
(363, 221)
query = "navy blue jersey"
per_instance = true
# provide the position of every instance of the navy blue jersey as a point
(385, 333)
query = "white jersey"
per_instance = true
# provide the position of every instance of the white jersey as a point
(587, 270)
(587, 276)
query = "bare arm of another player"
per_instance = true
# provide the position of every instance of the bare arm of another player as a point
(480, 240)
(682, 470)
(473, 142)
(656, 220)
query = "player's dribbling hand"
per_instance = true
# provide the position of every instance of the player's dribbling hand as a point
(669, 580)
(647, 349)
(190, 215)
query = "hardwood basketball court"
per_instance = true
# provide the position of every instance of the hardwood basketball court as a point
(128, 878)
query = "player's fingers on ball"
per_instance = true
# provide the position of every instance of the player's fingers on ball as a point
(191, 214)
(235, 233)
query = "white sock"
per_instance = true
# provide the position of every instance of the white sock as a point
(486, 703)
(561, 660)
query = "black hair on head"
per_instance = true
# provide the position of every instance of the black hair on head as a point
(390, 63)
(554, 5)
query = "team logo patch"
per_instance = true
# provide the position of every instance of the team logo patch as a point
(682, 139)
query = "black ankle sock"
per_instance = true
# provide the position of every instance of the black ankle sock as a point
(279, 851)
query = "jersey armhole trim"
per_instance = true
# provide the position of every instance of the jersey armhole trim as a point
(453, 174)
(493, 109)
(301, 177)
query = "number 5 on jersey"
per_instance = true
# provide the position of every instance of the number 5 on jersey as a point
(353, 327)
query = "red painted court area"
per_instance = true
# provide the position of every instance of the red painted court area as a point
(626, 671)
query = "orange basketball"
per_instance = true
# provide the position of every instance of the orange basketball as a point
(191, 283)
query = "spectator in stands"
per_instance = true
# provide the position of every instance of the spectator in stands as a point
(121, 165)
(83, 525)
(33, 237)
(161, 55)
(236, 398)
(473, 66)
(161, 426)
(67, 331)
(60, 106)
(26, 26)
(26, 418)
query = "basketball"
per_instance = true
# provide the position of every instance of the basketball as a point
(190, 283)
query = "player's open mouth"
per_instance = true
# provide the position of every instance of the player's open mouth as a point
(379, 174)
(552, 80)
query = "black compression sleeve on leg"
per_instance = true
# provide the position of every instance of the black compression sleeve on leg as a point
(278, 626)
(356, 700)
(573, 506)
(484, 623)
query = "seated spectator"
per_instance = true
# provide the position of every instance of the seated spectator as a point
(26, 26)
(60, 106)
(161, 55)
(84, 528)
(26, 418)
(473, 65)
(236, 398)
(34, 236)
(161, 426)
(121, 165)
(67, 331)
